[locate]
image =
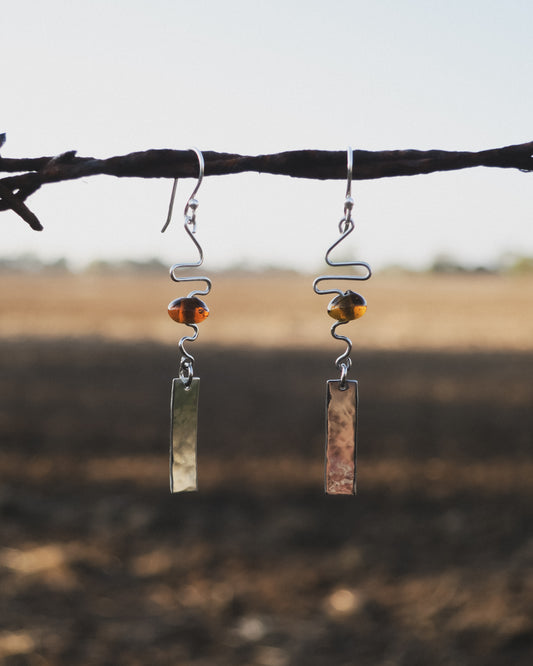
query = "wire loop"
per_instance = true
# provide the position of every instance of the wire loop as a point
(186, 368)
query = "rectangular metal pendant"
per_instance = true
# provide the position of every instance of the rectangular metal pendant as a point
(183, 437)
(341, 447)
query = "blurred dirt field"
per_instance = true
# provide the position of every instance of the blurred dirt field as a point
(437, 312)
(432, 562)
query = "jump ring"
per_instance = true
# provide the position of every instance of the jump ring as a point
(344, 374)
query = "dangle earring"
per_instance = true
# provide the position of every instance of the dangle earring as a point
(188, 310)
(342, 394)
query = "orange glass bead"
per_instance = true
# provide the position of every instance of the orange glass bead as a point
(347, 306)
(188, 310)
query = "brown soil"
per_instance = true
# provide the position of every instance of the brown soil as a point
(430, 564)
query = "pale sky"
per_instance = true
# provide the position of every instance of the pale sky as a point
(109, 77)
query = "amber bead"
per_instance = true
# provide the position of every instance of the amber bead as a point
(188, 310)
(347, 306)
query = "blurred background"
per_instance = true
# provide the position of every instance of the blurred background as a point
(432, 561)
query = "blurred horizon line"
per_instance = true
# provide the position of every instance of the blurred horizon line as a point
(28, 262)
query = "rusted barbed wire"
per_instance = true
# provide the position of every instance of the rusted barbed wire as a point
(34, 172)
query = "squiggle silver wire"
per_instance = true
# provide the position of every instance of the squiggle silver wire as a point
(186, 369)
(346, 226)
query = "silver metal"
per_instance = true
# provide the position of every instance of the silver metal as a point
(189, 213)
(345, 229)
(170, 205)
(344, 360)
(344, 367)
(183, 438)
(192, 203)
(194, 292)
(346, 226)
(342, 394)
(186, 358)
(185, 388)
(340, 476)
(348, 201)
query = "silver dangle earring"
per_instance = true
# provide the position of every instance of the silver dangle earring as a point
(342, 394)
(188, 310)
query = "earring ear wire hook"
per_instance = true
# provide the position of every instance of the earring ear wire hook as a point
(348, 201)
(189, 214)
(170, 205)
(192, 203)
(346, 226)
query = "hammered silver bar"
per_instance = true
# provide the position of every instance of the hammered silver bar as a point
(183, 435)
(341, 447)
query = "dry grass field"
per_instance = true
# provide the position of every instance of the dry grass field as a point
(431, 564)
(437, 312)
